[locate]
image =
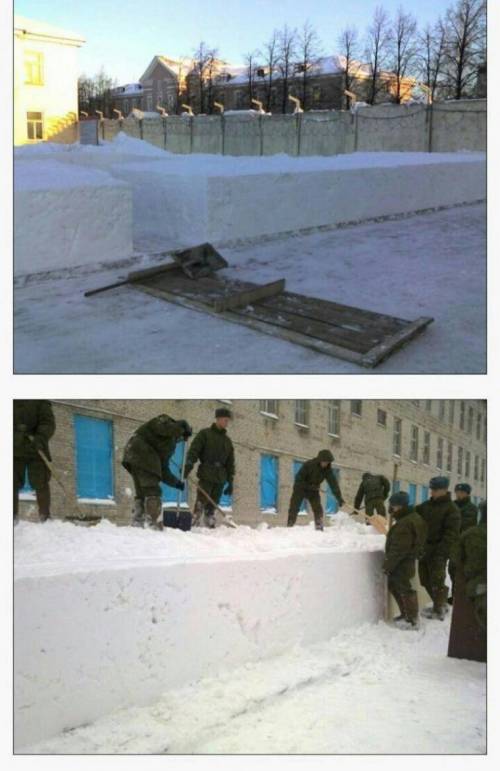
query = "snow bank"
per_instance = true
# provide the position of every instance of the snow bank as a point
(108, 629)
(67, 217)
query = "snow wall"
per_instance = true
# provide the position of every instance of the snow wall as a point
(89, 642)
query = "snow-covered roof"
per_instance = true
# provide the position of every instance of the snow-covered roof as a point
(173, 66)
(42, 29)
(326, 65)
(129, 89)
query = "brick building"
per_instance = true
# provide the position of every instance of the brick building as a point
(408, 441)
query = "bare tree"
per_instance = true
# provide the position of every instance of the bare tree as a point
(201, 62)
(86, 92)
(269, 57)
(251, 63)
(211, 74)
(287, 41)
(309, 51)
(348, 43)
(378, 39)
(465, 47)
(403, 49)
(95, 93)
(430, 56)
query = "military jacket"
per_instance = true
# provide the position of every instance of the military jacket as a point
(376, 486)
(214, 450)
(32, 418)
(405, 540)
(443, 522)
(151, 447)
(311, 475)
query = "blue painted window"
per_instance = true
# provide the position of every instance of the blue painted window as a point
(396, 486)
(26, 488)
(169, 494)
(412, 492)
(424, 493)
(331, 502)
(268, 482)
(297, 465)
(94, 458)
(226, 501)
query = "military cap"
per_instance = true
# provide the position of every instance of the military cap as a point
(439, 483)
(325, 456)
(399, 499)
(463, 487)
(223, 412)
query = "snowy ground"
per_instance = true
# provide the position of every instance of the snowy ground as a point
(429, 264)
(374, 689)
(368, 689)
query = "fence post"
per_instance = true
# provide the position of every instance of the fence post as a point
(356, 129)
(164, 121)
(141, 130)
(223, 132)
(298, 123)
(261, 135)
(430, 116)
(191, 130)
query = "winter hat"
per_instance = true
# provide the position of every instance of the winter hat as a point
(439, 483)
(223, 412)
(366, 475)
(325, 456)
(463, 487)
(399, 499)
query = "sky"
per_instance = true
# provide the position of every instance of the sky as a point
(123, 35)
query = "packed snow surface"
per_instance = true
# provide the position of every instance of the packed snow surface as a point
(373, 689)
(61, 547)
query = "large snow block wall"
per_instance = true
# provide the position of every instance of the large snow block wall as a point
(87, 643)
(68, 217)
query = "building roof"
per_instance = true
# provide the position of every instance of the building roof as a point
(173, 66)
(326, 65)
(41, 29)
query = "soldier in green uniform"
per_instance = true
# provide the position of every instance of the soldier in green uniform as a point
(34, 425)
(146, 457)
(468, 518)
(374, 488)
(214, 450)
(307, 483)
(443, 522)
(405, 544)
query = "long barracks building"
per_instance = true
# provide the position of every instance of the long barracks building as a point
(408, 441)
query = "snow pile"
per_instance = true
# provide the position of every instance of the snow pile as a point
(323, 698)
(141, 612)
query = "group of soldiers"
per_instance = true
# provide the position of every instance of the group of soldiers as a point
(439, 532)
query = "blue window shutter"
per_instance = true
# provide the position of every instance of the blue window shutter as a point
(94, 457)
(268, 482)
(412, 492)
(396, 486)
(297, 465)
(331, 502)
(169, 494)
(26, 488)
(424, 493)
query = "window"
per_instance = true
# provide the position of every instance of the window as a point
(269, 407)
(125, 106)
(356, 407)
(149, 102)
(332, 506)
(94, 458)
(479, 423)
(467, 464)
(27, 492)
(483, 469)
(34, 128)
(414, 443)
(316, 94)
(334, 417)
(424, 493)
(442, 409)
(460, 460)
(426, 455)
(381, 418)
(302, 412)
(449, 457)
(261, 72)
(462, 416)
(412, 493)
(476, 467)
(439, 453)
(33, 68)
(269, 484)
(470, 420)
(396, 486)
(297, 465)
(396, 437)
(169, 494)
(451, 412)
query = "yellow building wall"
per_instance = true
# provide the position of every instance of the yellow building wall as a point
(56, 98)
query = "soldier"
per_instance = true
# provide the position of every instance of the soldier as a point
(374, 488)
(146, 457)
(405, 543)
(468, 623)
(34, 425)
(307, 483)
(215, 452)
(443, 522)
(468, 518)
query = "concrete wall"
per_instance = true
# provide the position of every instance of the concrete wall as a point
(90, 642)
(444, 127)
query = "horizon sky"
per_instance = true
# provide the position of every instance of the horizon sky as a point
(123, 41)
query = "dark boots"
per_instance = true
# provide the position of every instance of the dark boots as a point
(410, 606)
(43, 502)
(138, 519)
(153, 512)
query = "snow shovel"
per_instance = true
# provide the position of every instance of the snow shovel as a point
(228, 519)
(179, 519)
